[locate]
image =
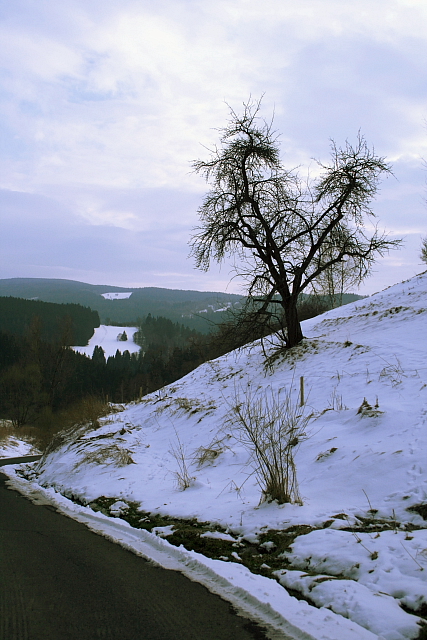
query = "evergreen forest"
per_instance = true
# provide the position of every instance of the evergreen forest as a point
(71, 323)
(41, 376)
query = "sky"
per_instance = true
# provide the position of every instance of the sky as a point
(105, 104)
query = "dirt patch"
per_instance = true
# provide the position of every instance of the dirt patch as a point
(263, 557)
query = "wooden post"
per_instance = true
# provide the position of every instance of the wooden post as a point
(140, 394)
(301, 391)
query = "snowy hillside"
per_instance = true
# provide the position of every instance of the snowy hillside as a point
(358, 543)
(108, 337)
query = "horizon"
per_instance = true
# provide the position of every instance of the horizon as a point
(124, 287)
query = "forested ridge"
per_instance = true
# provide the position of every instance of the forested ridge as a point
(194, 309)
(71, 323)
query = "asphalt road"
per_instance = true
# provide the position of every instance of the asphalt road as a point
(4, 461)
(60, 581)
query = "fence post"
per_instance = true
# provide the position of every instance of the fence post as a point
(301, 391)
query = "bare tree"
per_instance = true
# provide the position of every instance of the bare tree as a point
(336, 280)
(423, 254)
(286, 233)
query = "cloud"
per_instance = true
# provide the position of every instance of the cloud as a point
(125, 96)
(43, 238)
(104, 105)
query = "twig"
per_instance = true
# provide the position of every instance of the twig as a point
(411, 556)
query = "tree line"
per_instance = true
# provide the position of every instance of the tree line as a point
(70, 323)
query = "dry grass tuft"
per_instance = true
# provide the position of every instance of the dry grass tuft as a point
(110, 454)
(182, 476)
(206, 455)
(368, 411)
(88, 412)
(74, 422)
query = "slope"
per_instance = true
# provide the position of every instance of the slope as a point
(358, 542)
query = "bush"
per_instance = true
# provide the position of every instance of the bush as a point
(21, 393)
(271, 425)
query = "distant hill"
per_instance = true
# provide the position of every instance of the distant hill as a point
(195, 309)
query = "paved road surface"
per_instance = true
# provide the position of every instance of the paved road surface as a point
(4, 461)
(60, 581)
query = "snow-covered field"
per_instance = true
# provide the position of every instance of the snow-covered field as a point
(361, 559)
(106, 336)
(117, 296)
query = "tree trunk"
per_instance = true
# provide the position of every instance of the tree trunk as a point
(293, 327)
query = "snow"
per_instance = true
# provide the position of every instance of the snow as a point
(353, 600)
(117, 508)
(211, 307)
(106, 336)
(12, 447)
(361, 465)
(218, 535)
(117, 296)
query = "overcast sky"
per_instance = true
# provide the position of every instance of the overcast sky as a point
(105, 103)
